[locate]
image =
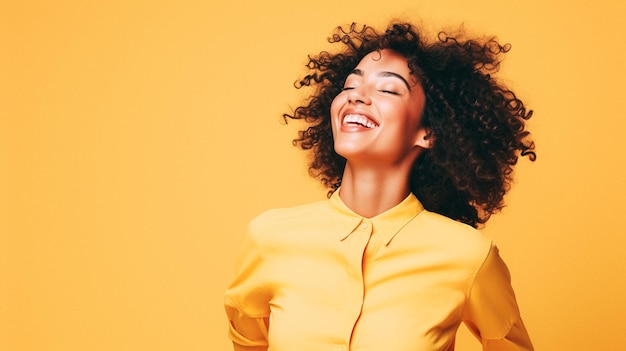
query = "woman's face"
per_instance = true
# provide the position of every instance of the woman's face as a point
(376, 118)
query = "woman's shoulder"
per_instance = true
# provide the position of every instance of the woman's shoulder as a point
(453, 235)
(285, 217)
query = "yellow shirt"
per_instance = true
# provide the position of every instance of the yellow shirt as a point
(320, 277)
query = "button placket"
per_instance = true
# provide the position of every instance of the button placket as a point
(364, 231)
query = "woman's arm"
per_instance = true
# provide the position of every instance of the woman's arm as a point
(491, 312)
(247, 301)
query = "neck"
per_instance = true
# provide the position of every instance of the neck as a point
(372, 191)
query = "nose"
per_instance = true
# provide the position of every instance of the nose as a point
(358, 95)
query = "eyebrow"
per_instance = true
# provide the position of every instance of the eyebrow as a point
(359, 72)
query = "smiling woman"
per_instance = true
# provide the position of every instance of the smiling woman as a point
(477, 122)
(376, 122)
(417, 143)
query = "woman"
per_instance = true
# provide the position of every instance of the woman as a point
(417, 143)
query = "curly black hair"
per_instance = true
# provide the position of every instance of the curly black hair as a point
(477, 124)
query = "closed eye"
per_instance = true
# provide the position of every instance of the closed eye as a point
(389, 92)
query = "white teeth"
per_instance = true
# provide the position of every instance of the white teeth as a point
(358, 119)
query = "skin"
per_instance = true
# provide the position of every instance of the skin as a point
(376, 122)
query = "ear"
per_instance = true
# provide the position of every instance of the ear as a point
(424, 138)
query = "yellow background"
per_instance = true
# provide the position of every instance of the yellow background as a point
(137, 138)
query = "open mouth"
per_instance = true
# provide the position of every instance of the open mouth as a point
(358, 120)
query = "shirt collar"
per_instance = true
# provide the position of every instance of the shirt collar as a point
(386, 224)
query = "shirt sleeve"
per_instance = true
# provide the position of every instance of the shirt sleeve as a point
(247, 301)
(491, 312)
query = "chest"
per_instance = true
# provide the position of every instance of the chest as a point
(362, 294)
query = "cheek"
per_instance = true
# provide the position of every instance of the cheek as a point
(335, 106)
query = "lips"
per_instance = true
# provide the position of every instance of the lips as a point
(356, 119)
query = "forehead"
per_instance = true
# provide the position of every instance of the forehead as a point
(385, 60)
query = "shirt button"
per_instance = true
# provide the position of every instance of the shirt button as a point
(364, 225)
